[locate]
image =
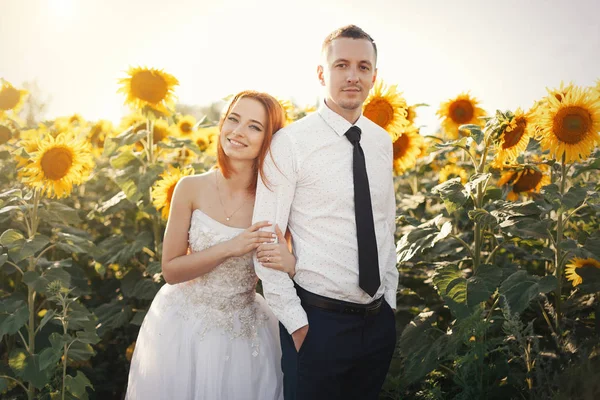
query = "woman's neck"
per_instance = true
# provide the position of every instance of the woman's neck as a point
(240, 177)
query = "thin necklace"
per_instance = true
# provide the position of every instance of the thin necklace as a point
(227, 217)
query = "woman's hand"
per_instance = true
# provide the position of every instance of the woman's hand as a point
(250, 239)
(277, 255)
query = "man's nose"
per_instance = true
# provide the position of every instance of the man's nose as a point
(352, 76)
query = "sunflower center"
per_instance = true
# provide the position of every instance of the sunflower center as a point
(5, 134)
(379, 111)
(185, 127)
(572, 124)
(56, 163)
(461, 111)
(400, 146)
(9, 98)
(202, 144)
(149, 87)
(158, 134)
(514, 137)
(527, 181)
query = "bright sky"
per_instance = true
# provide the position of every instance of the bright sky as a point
(504, 52)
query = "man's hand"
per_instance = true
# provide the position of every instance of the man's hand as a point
(298, 336)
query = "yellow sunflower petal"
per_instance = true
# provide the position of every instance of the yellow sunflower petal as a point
(576, 263)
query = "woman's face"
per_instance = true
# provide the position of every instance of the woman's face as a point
(243, 130)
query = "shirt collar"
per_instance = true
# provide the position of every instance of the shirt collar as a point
(335, 121)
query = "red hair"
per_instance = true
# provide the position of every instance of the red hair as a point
(275, 121)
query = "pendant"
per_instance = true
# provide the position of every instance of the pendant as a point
(227, 218)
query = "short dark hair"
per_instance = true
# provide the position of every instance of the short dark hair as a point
(348, 31)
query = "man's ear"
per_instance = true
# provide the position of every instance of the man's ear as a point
(320, 75)
(374, 76)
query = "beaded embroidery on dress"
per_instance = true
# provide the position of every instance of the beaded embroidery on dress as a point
(212, 337)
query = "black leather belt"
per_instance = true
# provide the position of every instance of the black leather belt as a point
(339, 306)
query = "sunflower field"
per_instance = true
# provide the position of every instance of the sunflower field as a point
(498, 241)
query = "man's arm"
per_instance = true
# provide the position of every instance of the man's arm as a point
(391, 275)
(274, 198)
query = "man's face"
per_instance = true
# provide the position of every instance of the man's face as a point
(348, 73)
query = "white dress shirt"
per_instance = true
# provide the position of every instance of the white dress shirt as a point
(311, 191)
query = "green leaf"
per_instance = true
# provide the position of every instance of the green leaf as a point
(483, 284)
(59, 213)
(474, 181)
(420, 238)
(80, 351)
(77, 385)
(145, 289)
(112, 316)
(125, 159)
(30, 247)
(592, 244)
(75, 244)
(452, 193)
(40, 283)
(14, 314)
(483, 218)
(47, 317)
(11, 238)
(521, 288)
(452, 287)
(49, 357)
(28, 368)
(153, 268)
(129, 187)
(138, 317)
(574, 197)
(88, 337)
(594, 165)
(475, 132)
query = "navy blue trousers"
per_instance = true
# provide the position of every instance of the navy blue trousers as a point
(343, 357)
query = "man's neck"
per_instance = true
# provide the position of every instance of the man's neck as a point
(349, 115)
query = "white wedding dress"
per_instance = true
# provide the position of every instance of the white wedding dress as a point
(211, 338)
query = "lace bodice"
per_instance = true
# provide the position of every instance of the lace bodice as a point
(224, 297)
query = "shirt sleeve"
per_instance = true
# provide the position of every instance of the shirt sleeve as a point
(391, 276)
(273, 202)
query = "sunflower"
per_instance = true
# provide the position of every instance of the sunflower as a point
(513, 138)
(64, 124)
(568, 123)
(460, 111)
(411, 114)
(452, 171)
(571, 269)
(27, 145)
(59, 163)
(526, 180)
(206, 139)
(135, 121)
(407, 148)
(149, 87)
(185, 126)
(162, 191)
(10, 97)
(387, 108)
(288, 109)
(99, 132)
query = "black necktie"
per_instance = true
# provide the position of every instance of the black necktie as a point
(368, 260)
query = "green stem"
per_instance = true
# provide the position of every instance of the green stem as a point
(487, 318)
(466, 246)
(557, 254)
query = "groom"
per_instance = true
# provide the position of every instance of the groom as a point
(330, 182)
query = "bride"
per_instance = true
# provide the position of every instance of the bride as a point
(208, 334)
